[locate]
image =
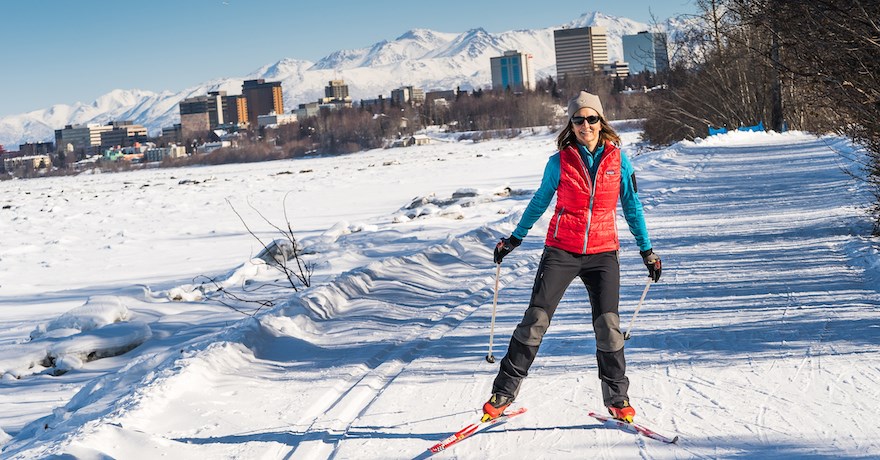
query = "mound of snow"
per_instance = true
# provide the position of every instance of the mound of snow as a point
(97, 329)
(112, 340)
(98, 311)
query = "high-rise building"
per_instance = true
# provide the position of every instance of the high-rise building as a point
(580, 51)
(646, 51)
(408, 95)
(84, 139)
(336, 94)
(206, 113)
(216, 108)
(194, 117)
(513, 71)
(236, 110)
(262, 97)
(123, 134)
(336, 90)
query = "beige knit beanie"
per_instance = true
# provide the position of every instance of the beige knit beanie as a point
(585, 99)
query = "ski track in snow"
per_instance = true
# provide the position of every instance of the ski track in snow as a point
(762, 327)
(352, 397)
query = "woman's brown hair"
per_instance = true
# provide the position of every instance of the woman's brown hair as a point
(566, 137)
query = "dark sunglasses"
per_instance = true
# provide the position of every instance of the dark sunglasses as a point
(592, 119)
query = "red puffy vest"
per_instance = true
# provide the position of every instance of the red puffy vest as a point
(585, 220)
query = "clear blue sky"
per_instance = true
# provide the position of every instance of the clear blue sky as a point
(67, 51)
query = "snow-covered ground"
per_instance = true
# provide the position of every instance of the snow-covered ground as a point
(116, 341)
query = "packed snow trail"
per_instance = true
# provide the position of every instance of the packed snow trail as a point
(758, 342)
(761, 329)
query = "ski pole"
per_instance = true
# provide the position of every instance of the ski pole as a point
(489, 357)
(627, 335)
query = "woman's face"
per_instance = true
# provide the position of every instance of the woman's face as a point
(586, 133)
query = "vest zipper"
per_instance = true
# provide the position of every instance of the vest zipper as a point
(558, 218)
(592, 185)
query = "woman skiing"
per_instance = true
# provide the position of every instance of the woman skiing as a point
(588, 175)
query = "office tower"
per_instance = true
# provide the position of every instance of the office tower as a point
(646, 51)
(123, 134)
(262, 97)
(336, 90)
(580, 51)
(513, 71)
(194, 117)
(84, 139)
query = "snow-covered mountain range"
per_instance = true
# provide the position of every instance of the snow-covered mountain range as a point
(420, 57)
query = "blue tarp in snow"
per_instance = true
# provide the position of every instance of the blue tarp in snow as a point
(757, 128)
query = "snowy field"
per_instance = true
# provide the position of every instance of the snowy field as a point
(760, 341)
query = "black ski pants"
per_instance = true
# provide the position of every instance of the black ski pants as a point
(600, 273)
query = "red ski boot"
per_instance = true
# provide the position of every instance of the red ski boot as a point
(622, 411)
(495, 406)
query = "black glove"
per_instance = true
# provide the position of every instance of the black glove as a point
(504, 247)
(652, 261)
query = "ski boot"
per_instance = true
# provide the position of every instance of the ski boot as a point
(622, 411)
(495, 406)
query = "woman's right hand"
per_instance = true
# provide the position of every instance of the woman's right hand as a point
(505, 246)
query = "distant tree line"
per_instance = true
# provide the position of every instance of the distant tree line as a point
(353, 129)
(812, 66)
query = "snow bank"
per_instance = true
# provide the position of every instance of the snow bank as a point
(453, 207)
(403, 286)
(748, 138)
(96, 312)
(98, 329)
(111, 340)
(19, 360)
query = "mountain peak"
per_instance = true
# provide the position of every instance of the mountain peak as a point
(283, 68)
(587, 19)
(416, 34)
(599, 19)
(479, 31)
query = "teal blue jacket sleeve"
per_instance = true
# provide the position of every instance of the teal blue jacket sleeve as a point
(632, 206)
(541, 199)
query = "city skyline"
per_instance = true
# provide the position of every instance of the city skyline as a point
(67, 53)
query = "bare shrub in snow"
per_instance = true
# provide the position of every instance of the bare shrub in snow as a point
(283, 254)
